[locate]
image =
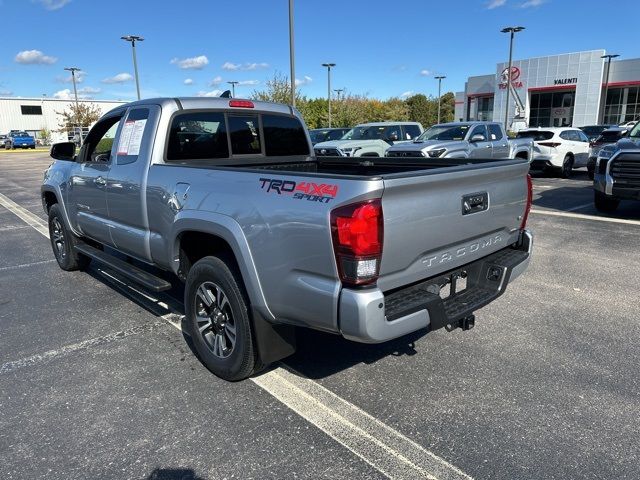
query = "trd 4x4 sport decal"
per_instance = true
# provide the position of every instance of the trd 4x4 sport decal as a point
(313, 192)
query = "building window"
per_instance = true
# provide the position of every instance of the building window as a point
(31, 109)
(551, 109)
(622, 105)
(485, 109)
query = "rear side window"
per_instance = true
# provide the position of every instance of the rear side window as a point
(537, 135)
(283, 136)
(411, 131)
(495, 132)
(198, 135)
(244, 132)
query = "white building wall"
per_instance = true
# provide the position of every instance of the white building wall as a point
(11, 117)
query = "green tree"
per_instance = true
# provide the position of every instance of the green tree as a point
(278, 89)
(82, 115)
(45, 136)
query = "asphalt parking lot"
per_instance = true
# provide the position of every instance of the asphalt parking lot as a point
(97, 380)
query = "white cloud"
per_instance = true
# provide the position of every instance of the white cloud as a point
(215, 81)
(192, 63)
(407, 94)
(119, 78)
(5, 93)
(212, 93)
(34, 57)
(188, 81)
(249, 82)
(244, 66)
(52, 4)
(306, 80)
(89, 90)
(83, 93)
(495, 4)
(532, 3)
(80, 76)
(65, 94)
(426, 73)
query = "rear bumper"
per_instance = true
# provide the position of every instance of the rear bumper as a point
(372, 316)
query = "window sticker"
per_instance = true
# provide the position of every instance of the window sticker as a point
(125, 137)
(136, 137)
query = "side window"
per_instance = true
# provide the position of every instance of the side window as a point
(284, 136)
(581, 136)
(132, 135)
(392, 133)
(244, 132)
(565, 135)
(411, 131)
(495, 132)
(479, 130)
(100, 139)
(197, 136)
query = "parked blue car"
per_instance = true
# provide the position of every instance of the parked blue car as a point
(22, 140)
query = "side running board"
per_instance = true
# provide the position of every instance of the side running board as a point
(133, 273)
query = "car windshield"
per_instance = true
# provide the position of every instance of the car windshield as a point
(318, 136)
(593, 130)
(364, 133)
(445, 132)
(635, 131)
(610, 137)
(537, 135)
(20, 134)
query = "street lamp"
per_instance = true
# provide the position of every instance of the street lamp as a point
(329, 65)
(606, 84)
(512, 31)
(233, 84)
(133, 39)
(439, 78)
(338, 92)
(73, 71)
(292, 64)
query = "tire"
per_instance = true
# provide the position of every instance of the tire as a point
(567, 166)
(605, 203)
(217, 319)
(33, 148)
(591, 174)
(63, 241)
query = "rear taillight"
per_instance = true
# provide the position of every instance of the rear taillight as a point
(549, 144)
(527, 209)
(357, 233)
(241, 103)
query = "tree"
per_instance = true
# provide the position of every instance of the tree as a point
(45, 136)
(84, 115)
(278, 89)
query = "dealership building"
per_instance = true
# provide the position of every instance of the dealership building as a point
(559, 90)
(33, 115)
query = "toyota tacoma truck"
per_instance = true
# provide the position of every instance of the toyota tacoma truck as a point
(617, 172)
(369, 139)
(464, 140)
(226, 196)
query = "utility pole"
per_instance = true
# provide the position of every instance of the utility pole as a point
(512, 31)
(292, 64)
(233, 84)
(338, 92)
(439, 78)
(73, 71)
(606, 86)
(133, 39)
(329, 65)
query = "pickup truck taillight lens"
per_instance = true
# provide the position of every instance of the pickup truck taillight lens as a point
(357, 233)
(549, 144)
(527, 209)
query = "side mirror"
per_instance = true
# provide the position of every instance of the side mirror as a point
(63, 151)
(478, 137)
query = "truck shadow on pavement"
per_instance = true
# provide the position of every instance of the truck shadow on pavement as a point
(174, 474)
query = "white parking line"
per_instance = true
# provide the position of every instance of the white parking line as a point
(579, 207)
(382, 447)
(25, 265)
(581, 216)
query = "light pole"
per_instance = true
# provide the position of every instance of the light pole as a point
(233, 84)
(73, 71)
(439, 78)
(133, 39)
(512, 31)
(292, 64)
(338, 92)
(606, 84)
(329, 65)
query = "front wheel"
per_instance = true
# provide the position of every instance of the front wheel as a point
(605, 203)
(567, 167)
(63, 241)
(217, 319)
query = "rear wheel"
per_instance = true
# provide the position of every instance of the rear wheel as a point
(605, 203)
(567, 166)
(63, 241)
(217, 319)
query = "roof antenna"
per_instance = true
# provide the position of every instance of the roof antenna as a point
(226, 94)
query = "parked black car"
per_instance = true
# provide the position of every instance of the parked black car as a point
(593, 131)
(326, 134)
(607, 137)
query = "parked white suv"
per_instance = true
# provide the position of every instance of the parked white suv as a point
(561, 149)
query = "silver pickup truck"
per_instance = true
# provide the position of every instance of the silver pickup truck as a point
(465, 140)
(225, 196)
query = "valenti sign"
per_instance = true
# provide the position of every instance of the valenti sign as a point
(515, 78)
(565, 81)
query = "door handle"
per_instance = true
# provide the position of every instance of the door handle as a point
(100, 181)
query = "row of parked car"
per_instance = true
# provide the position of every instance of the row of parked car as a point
(17, 139)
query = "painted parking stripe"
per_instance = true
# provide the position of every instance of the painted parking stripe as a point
(581, 216)
(29, 218)
(382, 447)
(25, 265)
(580, 207)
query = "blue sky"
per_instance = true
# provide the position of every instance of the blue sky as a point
(381, 48)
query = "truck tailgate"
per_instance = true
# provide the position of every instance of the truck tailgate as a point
(445, 218)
